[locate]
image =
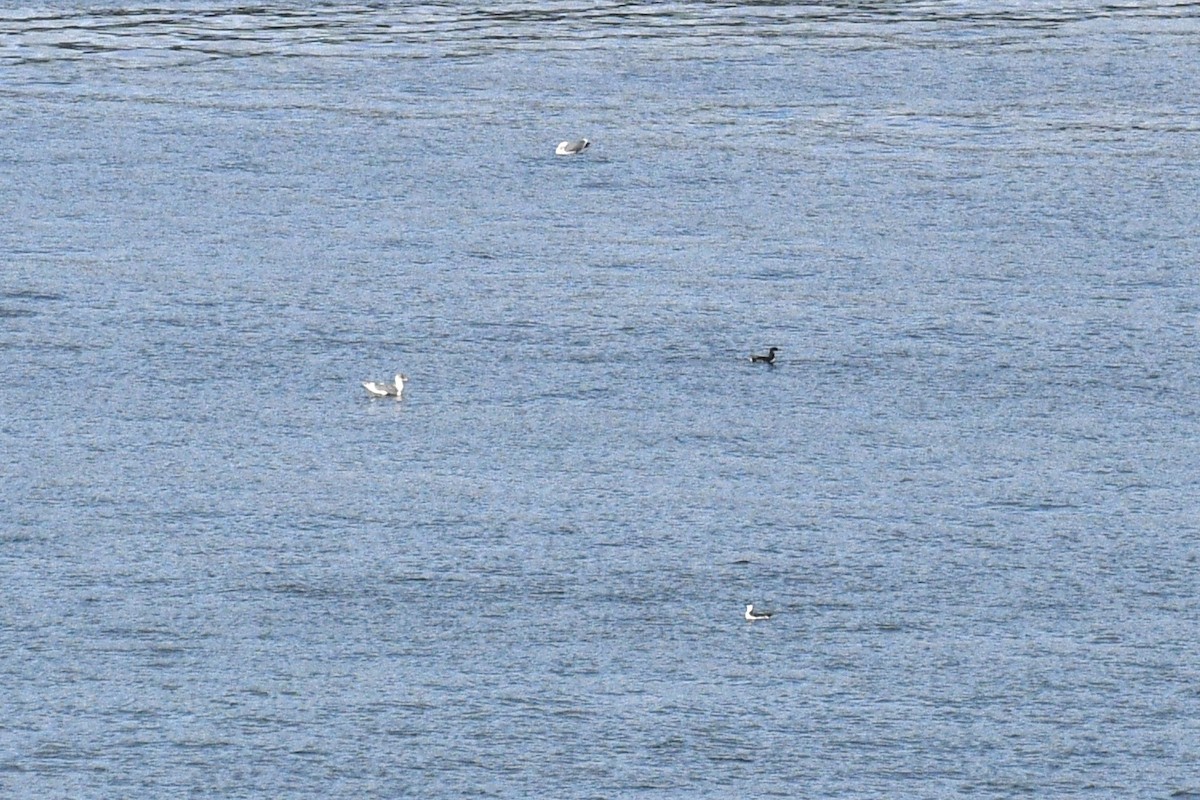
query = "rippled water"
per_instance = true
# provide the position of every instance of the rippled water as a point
(968, 489)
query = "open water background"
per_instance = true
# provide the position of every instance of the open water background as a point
(970, 488)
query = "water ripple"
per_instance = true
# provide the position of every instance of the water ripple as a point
(153, 36)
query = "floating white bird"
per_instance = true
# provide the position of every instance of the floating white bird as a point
(386, 389)
(752, 615)
(571, 148)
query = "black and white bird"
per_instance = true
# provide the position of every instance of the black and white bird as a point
(752, 615)
(379, 389)
(769, 358)
(571, 148)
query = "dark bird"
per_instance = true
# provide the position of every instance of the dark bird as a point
(769, 358)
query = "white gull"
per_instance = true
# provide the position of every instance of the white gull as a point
(752, 615)
(386, 389)
(571, 148)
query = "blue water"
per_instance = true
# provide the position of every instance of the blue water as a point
(968, 487)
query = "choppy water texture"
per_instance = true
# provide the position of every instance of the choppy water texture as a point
(968, 489)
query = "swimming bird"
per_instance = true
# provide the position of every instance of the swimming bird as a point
(571, 148)
(769, 358)
(752, 615)
(386, 389)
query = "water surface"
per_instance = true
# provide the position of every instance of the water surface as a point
(967, 490)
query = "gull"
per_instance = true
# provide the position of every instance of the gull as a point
(752, 615)
(571, 148)
(769, 358)
(386, 389)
